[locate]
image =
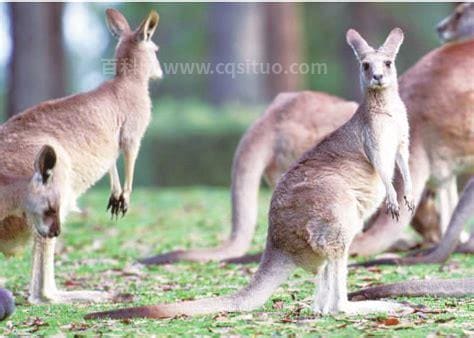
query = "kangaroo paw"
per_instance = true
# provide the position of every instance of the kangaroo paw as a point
(117, 205)
(394, 210)
(410, 204)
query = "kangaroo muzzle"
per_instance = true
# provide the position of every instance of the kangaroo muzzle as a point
(51, 219)
(54, 230)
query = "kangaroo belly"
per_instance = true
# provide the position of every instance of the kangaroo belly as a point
(369, 196)
(15, 232)
(91, 166)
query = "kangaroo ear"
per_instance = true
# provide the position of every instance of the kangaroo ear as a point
(148, 26)
(393, 42)
(116, 22)
(358, 44)
(45, 163)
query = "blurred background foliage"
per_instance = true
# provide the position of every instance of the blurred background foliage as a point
(49, 50)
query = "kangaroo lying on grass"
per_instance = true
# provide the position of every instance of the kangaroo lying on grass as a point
(434, 287)
(321, 202)
(52, 153)
(296, 121)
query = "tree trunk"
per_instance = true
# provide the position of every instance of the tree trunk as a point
(235, 43)
(36, 70)
(283, 37)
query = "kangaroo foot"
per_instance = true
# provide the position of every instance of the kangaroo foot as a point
(64, 297)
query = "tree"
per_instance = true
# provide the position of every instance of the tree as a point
(283, 45)
(36, 70)
(235, 40)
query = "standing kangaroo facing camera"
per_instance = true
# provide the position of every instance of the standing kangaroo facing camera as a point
(439, 94)
(53, 152)
(322, 201)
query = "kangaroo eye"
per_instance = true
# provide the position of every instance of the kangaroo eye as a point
(388, 63)
(365, 65)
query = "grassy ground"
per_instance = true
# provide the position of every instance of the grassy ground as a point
(99, 254)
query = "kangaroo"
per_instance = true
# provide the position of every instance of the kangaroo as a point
(321, 202)
(53, 152)
(459, 25)
(433, 287)
(441, 148)
(291, 125)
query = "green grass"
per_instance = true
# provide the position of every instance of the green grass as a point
(98, 254)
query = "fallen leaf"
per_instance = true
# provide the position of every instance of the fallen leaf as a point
(390, 321)
(76, 327)
(35, 323)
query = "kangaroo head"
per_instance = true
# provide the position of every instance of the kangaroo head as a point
(377, 66)
(459, 25)
(135, 52)
(43, 197)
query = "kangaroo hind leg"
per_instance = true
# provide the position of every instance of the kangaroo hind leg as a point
(43, 285)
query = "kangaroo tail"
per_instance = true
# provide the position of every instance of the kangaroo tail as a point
(274, 269)
(434, 287)
(409, 260)
(251, 158)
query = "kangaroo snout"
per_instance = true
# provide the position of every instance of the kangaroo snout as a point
(378, 77)
(377, 81)
(51, 220)
(54, 231)
(440, 28)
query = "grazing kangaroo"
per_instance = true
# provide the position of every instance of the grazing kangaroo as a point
(53, 152)
(321, 202)
(291, 125)
(434, 287)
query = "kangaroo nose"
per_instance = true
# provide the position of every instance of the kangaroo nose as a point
(54, 232)
(378, 77)
(55, 228)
